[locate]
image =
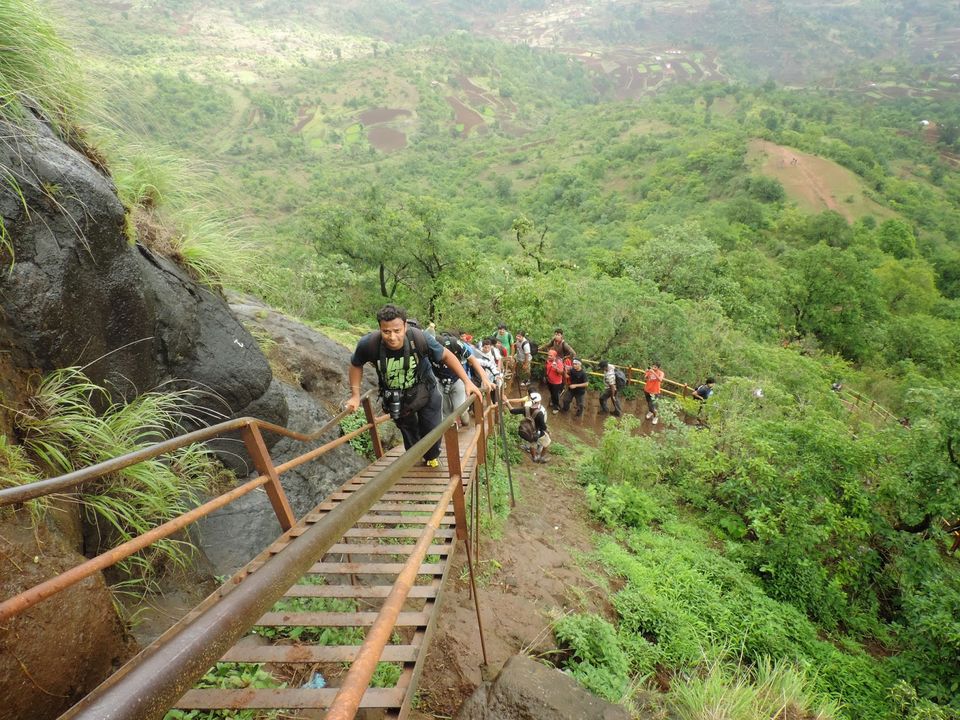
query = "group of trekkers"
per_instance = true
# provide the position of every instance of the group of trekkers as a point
(424, 375)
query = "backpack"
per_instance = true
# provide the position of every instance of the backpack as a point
(534, 348)
(528, 429)
(620, 377)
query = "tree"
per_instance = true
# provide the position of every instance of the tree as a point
(907, 286)
(532, 246)
(834, 297)
(896, 238)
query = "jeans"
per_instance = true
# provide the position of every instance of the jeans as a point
(555, 391)
(415, 425)
(611, 392)
(651, 401)
(453, 395)
(572, 395)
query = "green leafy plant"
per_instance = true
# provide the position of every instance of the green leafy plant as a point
(231, 676)
(596, 657)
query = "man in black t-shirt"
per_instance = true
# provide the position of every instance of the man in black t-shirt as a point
(408, 387)
(577, 387)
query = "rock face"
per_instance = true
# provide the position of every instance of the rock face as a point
(41, 675)
(234, 535)
(527, 690)
(79, 294)
(318, 363)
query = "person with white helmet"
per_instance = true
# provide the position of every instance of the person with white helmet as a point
(533, 427)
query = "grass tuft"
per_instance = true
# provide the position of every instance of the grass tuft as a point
(63, 430)
(37, 69)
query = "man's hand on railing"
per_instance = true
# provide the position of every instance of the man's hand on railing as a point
(475, 391)
(352, 403)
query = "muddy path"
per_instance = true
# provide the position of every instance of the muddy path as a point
(536, 572)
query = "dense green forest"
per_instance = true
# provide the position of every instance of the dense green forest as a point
(778, 210)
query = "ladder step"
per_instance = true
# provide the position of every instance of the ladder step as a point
(404, 519)
(336, 619)
(357, 591)
(314, 653)
(397, 532)
(386, 549)
(330, 568)
(283, 698)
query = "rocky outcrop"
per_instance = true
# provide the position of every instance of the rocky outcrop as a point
(59, 650)
(311, 359)
(528, 690)
(79, 294)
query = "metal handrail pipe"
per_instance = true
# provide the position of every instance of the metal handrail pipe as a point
(22, 493)
(318, 451)
(29, 598)
(348, 698)
(150, 684)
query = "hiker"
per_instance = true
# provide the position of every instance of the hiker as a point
(611, 391)
(489, 359)
(452, 391)
(704, 392)
(533, 427)
(523, 354)
(555, 372)
(408, 388)
(506, 339)
(560, 345)
(651, 390)
(576, 387)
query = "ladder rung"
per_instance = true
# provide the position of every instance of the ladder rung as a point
(336, 619)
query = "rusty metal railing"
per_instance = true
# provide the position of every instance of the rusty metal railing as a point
(152, 682)
(269, 479)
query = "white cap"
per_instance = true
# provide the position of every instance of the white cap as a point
(534, 397)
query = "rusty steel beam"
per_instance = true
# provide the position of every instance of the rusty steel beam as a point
(22, 493)
(151, 683)
(29, 598)
(350, 695)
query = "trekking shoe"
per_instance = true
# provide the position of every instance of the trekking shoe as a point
(555, 411)
(542, 461)
(435, 463)
(579, 413)
(655, 420)
(617, 413)
(649, 415)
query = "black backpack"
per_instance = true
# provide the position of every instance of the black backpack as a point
(534, 348)
(528, 429)
(620, 377)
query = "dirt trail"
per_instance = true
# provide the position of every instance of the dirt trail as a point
(528, 576)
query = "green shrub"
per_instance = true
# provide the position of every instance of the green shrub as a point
(596, 658)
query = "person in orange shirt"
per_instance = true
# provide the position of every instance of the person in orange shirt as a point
(651, 390)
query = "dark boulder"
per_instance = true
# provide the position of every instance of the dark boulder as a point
(232, 536)
(528, 690)
(79, 294)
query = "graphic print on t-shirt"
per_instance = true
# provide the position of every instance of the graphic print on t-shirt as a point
(395, 378)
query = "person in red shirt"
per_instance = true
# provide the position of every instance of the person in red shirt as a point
(556, 372)
(651, 390)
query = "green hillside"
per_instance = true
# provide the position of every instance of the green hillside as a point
(631, 180)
